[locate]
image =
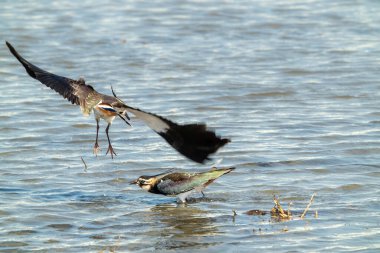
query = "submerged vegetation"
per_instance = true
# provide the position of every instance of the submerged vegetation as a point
(278, 213)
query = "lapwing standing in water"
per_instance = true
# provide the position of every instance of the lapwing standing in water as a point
(194, 141)
(179, 184)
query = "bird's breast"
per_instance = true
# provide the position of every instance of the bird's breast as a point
(105, 111)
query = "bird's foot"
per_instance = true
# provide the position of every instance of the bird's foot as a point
(96, 149)
(111, 151)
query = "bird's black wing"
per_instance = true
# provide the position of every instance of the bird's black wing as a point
(75, 91)
(194, 141)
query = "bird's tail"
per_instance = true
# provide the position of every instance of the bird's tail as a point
(210, 176)
(221, 171)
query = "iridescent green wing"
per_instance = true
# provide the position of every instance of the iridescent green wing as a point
(177, 183)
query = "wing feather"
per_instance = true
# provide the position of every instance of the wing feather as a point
(75, 91)
(194, 141)
(176, 183)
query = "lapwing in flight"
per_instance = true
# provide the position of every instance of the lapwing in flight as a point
(194, 141)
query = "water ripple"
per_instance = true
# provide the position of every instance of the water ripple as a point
(293, 84)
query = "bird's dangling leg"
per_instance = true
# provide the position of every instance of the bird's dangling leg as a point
(110, 148)
(96, 146)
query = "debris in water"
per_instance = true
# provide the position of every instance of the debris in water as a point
(256, 212)
(308, 206)
(278, 212)
(85, 165)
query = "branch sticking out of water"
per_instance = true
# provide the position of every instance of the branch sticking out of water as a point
(278, 212)
(308, 206)
(85, 165)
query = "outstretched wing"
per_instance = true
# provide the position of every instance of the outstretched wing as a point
(194, 141)
(75, 91)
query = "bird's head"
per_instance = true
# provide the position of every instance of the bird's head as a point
(145, 182)
(149, 182)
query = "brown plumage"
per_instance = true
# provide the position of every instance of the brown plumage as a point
(194, 141)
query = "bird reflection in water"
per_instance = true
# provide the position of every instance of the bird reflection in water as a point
(184, 226)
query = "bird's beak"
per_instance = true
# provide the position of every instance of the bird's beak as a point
(133, 182)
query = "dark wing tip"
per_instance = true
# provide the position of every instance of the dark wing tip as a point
(194, 141)
(227, 140)
(224, 141)
(63, 85)
(9, 45)
(13, 50)
(28, 67)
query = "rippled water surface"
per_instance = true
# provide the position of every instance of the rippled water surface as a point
(294, 84)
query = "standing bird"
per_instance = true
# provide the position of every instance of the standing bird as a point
(194, 141)
(179, 184)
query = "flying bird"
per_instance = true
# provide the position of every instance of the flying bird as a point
(180, 184)
(194, 141)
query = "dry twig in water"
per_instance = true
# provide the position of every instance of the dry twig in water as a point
(308, 206)
(85, 165)
(278, 212)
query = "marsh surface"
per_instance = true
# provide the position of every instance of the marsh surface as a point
(294, 84)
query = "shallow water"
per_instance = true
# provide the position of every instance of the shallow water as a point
(294, 84)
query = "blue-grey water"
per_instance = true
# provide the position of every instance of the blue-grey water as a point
(294, 84)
